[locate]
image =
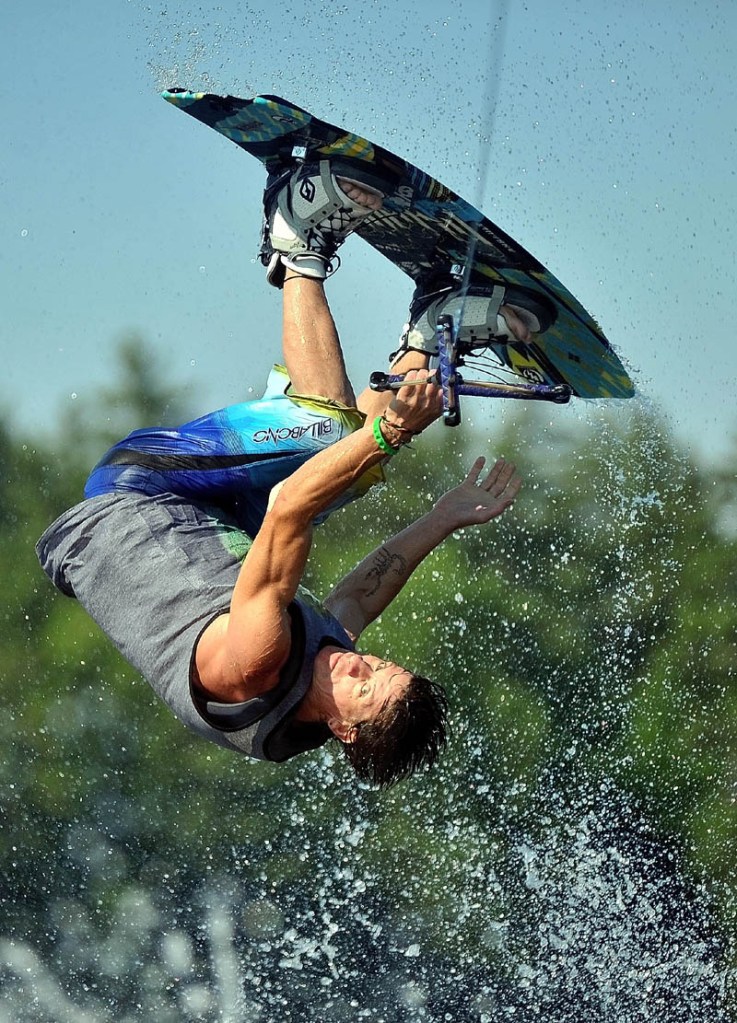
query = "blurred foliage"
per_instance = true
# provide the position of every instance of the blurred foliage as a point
(587, 641)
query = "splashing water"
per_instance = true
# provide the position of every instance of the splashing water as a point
(585, 917)
(531, 876)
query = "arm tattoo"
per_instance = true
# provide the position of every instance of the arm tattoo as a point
(384, 562)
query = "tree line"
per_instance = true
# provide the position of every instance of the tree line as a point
(587, 641)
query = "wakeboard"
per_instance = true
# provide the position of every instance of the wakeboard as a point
(425, 228)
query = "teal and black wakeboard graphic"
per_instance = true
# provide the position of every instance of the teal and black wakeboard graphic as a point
(425, 227)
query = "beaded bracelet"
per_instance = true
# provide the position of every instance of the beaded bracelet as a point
(381, 439)
(396, 426)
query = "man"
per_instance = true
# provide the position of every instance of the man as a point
(190, 545)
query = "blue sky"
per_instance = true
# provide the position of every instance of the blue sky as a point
(610, 153)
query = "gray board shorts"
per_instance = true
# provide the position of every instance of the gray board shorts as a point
(153, 572)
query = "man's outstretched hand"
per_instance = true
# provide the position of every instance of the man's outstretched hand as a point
(477, 500)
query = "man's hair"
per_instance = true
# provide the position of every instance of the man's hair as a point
(407, 733)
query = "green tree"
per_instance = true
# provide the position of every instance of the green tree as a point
(587, 641)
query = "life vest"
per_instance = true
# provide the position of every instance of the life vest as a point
(264, 727)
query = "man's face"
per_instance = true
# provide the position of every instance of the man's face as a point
(365, 684)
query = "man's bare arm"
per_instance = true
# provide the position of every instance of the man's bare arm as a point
(365, 592)
(241, 654)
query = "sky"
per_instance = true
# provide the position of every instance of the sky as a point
(601, 136)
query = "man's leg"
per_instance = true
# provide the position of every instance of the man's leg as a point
(299, 257)
(312, 352)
